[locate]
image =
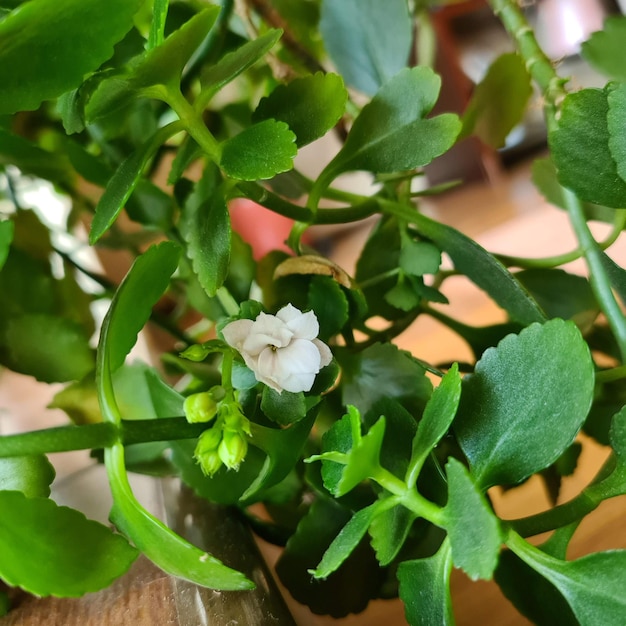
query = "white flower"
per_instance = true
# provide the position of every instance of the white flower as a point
(282, 350)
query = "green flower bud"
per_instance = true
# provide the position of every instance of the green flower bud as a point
(233, 448)
(233, 417)
(209, 463)
(206, 452)
(200, 407)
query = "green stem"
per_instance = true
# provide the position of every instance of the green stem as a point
(615, 373)
(598, 278)
(157, 26)
(192, 121)
(410, 498)
(100, 435)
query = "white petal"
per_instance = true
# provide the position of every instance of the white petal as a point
(300, 356)
(267, 369)
(298, 382)
(304, 326)
(267, 330)
(326, 356)
(288, 313)
(236, 333)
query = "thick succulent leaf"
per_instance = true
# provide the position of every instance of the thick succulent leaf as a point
(368, 41)
(425, 589)
(525, 402)
(389, 530)
(32, 475)
(580, 149)
(392, 133)
(499, 101)
(310, 106)
(473, 528)
(47, 49)
(259, 152)
(605, 48)
(52, 550)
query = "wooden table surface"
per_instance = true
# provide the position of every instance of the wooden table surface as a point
(508, 216)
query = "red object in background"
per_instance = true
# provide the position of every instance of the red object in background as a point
(263, 229)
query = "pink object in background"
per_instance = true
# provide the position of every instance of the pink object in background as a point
(263, 229)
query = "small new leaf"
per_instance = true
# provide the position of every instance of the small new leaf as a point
(259, 152)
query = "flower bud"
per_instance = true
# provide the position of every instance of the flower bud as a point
(200, 407)
(206, 452)
(233, 417)
(233, 448)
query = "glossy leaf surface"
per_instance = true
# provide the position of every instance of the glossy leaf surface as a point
(32, 475)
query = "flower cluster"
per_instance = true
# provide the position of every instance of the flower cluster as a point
(282, 350)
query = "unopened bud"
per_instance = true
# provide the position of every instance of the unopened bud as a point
(200, 407)
(233, 448)
(206, 452)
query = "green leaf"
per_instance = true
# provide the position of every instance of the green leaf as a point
(363, 459)
(32, 475)
(604, 48)
(392, 133)
(214, 77)
(330, 304)
(123, 182)
(205, 226)
(310, 106)
(359, 577)
(346, 541)
(592, 585)
(616, 118)
(46, 49)
(525, 402)
(425, 589)
(283, 408)
(389, 530)
(132, 304)
(419, 257)
(438, 415)
(368, 41)
(165, 548)
(563, 295)
(382, 370)
(51, 550)
(6, 236)
(162, 65)
(499, 101)
(531, 594)
(474, 530)
(483, 269)
(50, 348)
(259, 152)
(616, 274)
(580, 149)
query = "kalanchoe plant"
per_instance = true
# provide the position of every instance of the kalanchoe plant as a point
(277, 382)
